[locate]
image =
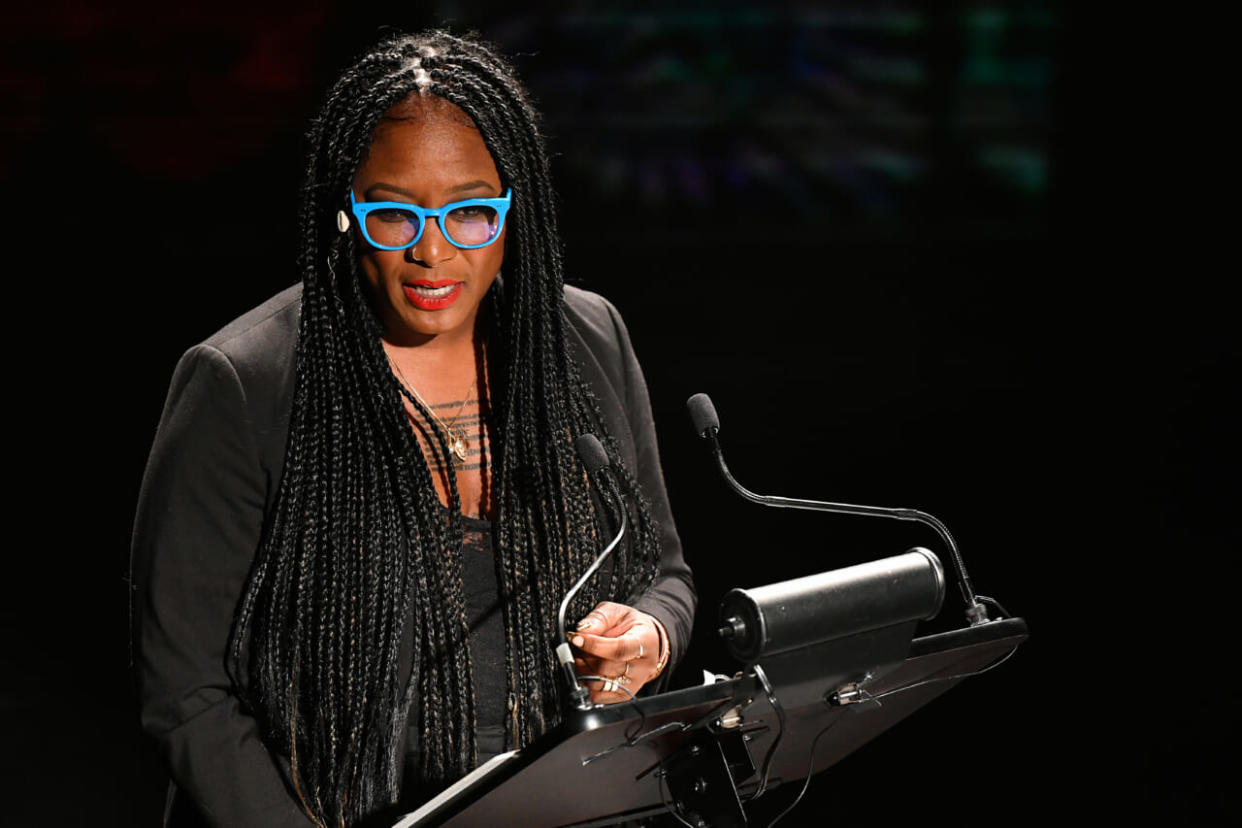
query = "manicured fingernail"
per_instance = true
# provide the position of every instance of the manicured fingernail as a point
(577, 641)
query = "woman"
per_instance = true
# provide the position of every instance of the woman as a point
(363, 506)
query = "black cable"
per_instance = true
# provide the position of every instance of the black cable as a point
(979, 672)
(635, 735)
(641, 737)
(671, 808)
(780, 717)
(994, 603)
(810, 769)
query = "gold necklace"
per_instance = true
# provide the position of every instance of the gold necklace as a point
(457, 441)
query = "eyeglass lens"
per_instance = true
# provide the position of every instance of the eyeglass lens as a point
(474, 224)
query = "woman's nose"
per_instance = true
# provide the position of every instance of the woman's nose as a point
(432, 249)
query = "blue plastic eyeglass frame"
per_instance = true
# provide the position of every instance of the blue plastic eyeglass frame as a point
(361, 208)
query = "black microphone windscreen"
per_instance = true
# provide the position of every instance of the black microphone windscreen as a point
(591, 452)
(703, 414)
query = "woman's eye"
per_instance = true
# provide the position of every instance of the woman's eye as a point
(390, 216)
(475, 213)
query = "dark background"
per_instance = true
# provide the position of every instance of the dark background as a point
(957, 256)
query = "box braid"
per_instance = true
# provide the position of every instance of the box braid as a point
(358, 545)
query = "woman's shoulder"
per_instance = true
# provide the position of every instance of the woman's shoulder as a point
(253, 356)
(585, 302)
(596, 321)
(264, 332)
(602, 343)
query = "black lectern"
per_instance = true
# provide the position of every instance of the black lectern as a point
(702, 751)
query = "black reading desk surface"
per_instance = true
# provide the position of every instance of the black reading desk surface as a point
(599, 766)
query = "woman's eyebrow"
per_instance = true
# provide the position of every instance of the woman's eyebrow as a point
(459, 188)
(471, 185)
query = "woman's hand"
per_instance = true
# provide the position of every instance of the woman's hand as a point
(619, 643)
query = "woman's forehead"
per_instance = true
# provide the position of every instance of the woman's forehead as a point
(432, 142)
(416, 106)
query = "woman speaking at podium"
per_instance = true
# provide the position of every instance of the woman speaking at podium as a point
(363, 505)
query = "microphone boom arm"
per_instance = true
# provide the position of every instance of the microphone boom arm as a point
(976, 613)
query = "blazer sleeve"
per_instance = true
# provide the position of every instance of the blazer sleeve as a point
(198, 525)
(671, 598)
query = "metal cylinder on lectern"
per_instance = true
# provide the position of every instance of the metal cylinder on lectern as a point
(792, 614)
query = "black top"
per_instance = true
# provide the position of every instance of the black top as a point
(487, 636)
(486, 642)
(211, 479)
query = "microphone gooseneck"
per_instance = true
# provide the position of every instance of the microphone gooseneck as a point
(595, 459)
(707, 424)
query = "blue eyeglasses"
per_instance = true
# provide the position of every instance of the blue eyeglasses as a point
(393, 225)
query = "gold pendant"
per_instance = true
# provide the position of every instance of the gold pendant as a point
(459, 447)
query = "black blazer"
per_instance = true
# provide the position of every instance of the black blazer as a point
(212, 476)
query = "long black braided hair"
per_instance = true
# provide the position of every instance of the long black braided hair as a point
(358, 550)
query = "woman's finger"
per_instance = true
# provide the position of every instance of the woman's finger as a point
(626, 674)
(614, 690)
(604, 617)
(622, 648)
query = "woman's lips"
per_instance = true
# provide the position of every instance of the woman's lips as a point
(432, 295)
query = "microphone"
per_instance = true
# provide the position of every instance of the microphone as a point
(591, 453)
(594, 459)
(707, 423)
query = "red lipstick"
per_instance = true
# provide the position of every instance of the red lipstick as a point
(428, 295)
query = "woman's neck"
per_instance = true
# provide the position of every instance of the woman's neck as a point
(447, 353)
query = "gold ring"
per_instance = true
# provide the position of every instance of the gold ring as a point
(613, 684)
